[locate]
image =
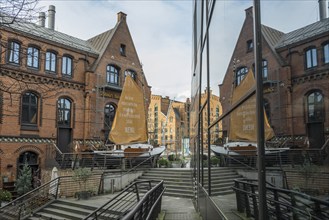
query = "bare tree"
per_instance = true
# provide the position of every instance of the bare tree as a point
(17, 10)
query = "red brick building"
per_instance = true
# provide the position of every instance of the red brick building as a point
(295, 75)
(56, 88)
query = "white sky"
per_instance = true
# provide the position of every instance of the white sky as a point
(162, 31)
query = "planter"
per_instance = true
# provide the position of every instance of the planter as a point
(176, 165)
(83, 195)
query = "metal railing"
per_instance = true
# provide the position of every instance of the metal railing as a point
(281, 203)
(132, 204)
(31, 202)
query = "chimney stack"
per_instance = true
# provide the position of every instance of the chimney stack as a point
(42, 19)
(51, 17)
(121, 16)
(323, 9)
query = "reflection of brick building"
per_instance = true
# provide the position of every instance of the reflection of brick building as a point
(168, 122)
(295, 72)
(56, 88)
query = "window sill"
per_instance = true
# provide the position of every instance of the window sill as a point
(29, 128)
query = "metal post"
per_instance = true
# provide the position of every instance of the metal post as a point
(260, 111)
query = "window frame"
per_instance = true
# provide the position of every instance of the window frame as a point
(239, 75)
(325, 52)
(250, 45)
(66, 120)
(123, 50)
(112, 74)
(317, 109)
(132, 73)
(14, 53)
(33, 57)
(29, 110)
(311, 58)
(52, 61)
(67, 66)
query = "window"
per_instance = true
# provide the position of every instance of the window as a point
(13, 50)
(267, 110)
(326, 53)
(264, 69)
(240, 74)
(112, 75)
(51, 61)
(33, 57)
(67, 66)
(123, 50)
(64, 112)
(315, 107)
(131, 73)
(311, 58)
(29, 108)
(250, 45)
(109, 113)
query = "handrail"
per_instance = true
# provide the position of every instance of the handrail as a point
(280, 202)
(118, 204)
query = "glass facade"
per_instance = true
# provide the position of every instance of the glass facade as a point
(280, 115)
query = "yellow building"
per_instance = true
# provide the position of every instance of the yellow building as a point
(215, 109)
(168, 123)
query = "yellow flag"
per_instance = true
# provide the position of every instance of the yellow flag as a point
(243, 120)
(129, 125)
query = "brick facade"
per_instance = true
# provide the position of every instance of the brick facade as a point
(87, 89)
(288, 83)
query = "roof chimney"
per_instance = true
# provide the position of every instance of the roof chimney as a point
(121, 16)
(42, 19)
(323, 9)
(51, 17)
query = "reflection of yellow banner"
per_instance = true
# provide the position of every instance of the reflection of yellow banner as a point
(243, 120)
(129, 125)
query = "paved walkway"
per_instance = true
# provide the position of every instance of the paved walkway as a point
(175, 208)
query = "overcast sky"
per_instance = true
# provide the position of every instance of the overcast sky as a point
(162, 31)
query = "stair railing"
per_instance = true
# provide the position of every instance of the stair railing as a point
(129, 202)
(26, 204)
(281, 203)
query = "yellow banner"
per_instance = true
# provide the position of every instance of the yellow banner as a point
(129, 125)
(243, 120)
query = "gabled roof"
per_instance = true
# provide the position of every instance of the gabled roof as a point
(30, 29)
(317, 28)
(100, 41)
(271, 35)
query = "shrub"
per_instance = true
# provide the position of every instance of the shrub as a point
(163, 162)
(172, 157)
(82, 175)
(214, 160)
(5, 196)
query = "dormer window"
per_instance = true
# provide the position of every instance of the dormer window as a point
(250, 46)
(123, 50)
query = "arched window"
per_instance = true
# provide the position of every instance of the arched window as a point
(33, 54)
(112, 75)
(14, 52)
(67, 66)
(240, 74)
(109, 113)
(51, 61)
(131, 73)
(64, 108)
(29, 114)
(315, 107)
(267, 108)
(311, 59)
(326, 52)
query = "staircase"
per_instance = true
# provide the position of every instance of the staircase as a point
(178, 181)
(63, 209)
(222, 179)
